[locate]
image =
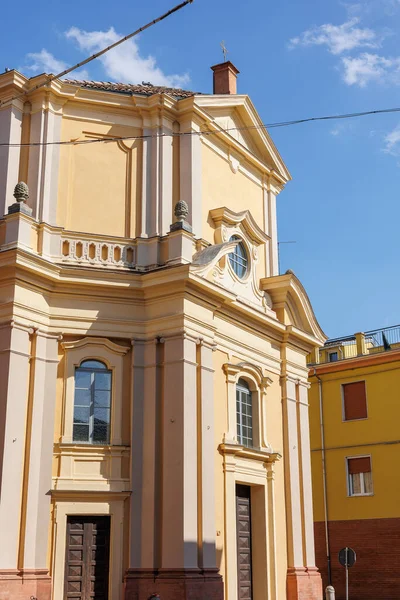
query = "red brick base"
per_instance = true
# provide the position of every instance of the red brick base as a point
(187, 584)
(304, 584)
(23, 585)
(376, 573)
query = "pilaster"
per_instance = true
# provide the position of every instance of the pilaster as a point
(145, 455)
(39, 451)
(303, 578)
(14, 383)
(191, 174)
(179, 451)
(11, 130)
(43, 169)
(273, 230)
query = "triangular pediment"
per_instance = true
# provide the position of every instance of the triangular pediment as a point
(238, 119)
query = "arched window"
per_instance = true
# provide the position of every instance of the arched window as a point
(238, 258)
(244, 414)
(92, 403)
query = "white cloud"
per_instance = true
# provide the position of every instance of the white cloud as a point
(123, 63)
(45, 62)
(392, 141)
(335, 131)
(367, 67)
(338, 38)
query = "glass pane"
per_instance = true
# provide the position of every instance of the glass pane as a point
(82, 379)
(82, 397)
(93, 364)
(102, 381)
(81, 433)
(102, 399)
(81, 414)
(368, 483)
(355, 483)
(100, 433)
(101, 415)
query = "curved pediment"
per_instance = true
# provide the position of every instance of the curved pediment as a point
(292, 304)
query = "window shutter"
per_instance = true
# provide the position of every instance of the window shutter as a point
(355, 401)
(359, 465)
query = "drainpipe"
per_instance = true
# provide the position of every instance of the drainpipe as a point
(321, 423)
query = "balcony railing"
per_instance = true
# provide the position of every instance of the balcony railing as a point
(359, 344)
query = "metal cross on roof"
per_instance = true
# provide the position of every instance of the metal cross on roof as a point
(224, 49)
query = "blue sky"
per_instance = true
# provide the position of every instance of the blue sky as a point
(296, 59)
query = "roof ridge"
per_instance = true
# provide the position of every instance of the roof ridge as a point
(145, 88)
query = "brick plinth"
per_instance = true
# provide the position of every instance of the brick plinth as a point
(376, 573)
(188, 584)
(304, 584)
(22, 585)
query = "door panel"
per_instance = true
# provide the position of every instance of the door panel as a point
(243, 529)
(87, 558)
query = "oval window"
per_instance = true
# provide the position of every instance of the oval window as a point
(238, 258)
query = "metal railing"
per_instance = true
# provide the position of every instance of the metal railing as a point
(360, 344)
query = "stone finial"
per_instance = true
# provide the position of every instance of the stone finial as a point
(181, 212)
(21, 192)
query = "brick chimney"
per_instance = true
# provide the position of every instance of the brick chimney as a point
(225, 76)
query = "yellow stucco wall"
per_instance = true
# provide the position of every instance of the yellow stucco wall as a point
(96, 192)
(377, 436)
(222, 187)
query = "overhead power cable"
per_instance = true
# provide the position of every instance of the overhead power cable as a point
(263, 126)
(51, 78)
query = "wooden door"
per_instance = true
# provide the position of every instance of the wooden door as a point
(87, 558)
(243, 529)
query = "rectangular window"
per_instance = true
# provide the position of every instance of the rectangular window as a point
(360, 476)
(354, 401)
(333, 356)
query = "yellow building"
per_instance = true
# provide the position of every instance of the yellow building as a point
(355, 452)
(153, 378)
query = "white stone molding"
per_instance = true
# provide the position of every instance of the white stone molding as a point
(111, 355)
(106, 506)
(258, 385)
(242, 225)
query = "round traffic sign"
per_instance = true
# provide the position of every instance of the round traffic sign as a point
(347, 557)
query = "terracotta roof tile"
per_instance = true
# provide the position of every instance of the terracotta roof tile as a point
(143, 89)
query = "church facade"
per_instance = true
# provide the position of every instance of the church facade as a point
(154, 438)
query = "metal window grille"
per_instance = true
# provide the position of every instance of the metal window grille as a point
(244, 414)
(238, 258)
(92, 403)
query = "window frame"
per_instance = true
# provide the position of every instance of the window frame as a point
(244, 389)
(344, 420)
(231, 261)
(331, 354)
(349, 481)
(112, 355)
(92, 371)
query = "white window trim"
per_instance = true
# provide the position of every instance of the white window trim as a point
(349, 491)
(112, 356)
(344, 420)
(258, 385)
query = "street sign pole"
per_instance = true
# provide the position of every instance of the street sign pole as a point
(347, 558)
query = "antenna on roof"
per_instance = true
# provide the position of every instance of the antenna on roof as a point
(224, 49)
